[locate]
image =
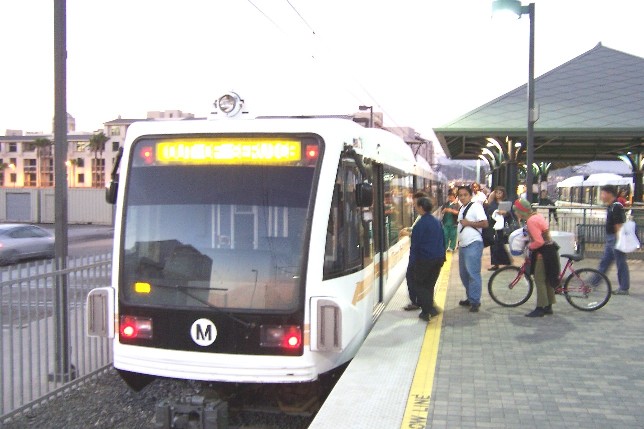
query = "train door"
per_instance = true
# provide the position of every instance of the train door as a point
(350, 232)
(379, 228)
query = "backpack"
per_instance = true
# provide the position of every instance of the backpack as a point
(488, 234)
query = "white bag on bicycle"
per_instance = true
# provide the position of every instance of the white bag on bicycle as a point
(518, 241)
(627, 240)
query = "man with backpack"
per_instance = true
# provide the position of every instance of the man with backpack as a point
(471, 221)
(615, 219)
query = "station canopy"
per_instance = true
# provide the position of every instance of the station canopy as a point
(590, 108)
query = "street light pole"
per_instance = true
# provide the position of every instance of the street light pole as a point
(63, 371)
(515, 7)
(532, 114)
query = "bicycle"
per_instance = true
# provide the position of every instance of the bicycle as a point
(585, 289)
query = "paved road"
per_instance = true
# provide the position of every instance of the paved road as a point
(90, 247)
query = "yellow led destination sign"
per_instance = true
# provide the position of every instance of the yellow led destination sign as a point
(228, 151)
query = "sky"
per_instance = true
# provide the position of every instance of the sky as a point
(423, 63)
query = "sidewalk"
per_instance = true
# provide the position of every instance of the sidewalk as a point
(499, 369)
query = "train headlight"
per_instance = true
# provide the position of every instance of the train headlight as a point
(288, 337)
(230, 104)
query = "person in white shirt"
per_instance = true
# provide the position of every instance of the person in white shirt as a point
(478, 196)
(471, 220)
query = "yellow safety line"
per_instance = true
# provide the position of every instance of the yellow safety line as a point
(420, 393)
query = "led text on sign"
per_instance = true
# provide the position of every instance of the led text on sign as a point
(229, 151)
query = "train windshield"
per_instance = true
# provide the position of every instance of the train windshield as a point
(217, 226)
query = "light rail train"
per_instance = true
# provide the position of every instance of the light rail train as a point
(253, 250)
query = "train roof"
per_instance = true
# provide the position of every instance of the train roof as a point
(379, 145)
(600, 179)
(571, 181)
(597, 179)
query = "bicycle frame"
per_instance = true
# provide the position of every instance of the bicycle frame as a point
(568, 267)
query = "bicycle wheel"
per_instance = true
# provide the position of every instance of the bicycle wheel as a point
(587, 289)
(509, 288)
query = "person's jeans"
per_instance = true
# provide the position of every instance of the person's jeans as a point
(469, 267)
(611, 255)
(413, 297)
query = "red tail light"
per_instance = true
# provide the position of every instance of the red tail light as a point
(293, 338)
(147, 155)
(132, 327)
(312, 152)
(288, 337)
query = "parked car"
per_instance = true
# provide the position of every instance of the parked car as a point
(19, 242)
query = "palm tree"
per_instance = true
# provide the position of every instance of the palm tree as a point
(43, 150)
(97, 145)
(3, 167)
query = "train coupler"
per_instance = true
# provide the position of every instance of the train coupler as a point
(192, 412)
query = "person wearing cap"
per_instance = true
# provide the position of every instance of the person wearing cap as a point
(544, 257)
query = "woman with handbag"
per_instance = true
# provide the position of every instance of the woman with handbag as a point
(544, 257)
(498, 253)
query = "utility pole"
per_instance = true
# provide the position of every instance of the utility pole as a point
(63, 371)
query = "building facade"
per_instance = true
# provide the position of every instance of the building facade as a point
(27, 161)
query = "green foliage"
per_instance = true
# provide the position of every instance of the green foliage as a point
(97, 143)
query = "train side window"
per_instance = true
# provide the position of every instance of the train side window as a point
(345, 230)
(399, 204)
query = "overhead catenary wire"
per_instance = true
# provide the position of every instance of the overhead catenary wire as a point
(266, 16)
(301, 17)
(364, 89)
(317, 61)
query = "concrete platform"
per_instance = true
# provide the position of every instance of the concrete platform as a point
(498, 369)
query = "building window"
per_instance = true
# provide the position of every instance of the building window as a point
(46, 172)
(12, 177)
(13, 161)
(30, 173)
(28, 147)
(13, 147)
(81, 146)
(115, 146)
(115, 131)
(80, 162)
(98, 172)
(81, 178)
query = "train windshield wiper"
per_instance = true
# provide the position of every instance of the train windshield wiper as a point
(186, 291)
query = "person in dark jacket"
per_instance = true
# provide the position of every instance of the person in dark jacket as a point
(498, 253)
(544, 200)
(615, 219)
(427, 257)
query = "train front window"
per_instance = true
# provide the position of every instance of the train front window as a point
(224, 235)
